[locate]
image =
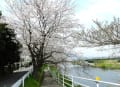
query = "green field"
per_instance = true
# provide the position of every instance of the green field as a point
(107, 63)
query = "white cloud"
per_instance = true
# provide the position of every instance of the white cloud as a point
(99, 9)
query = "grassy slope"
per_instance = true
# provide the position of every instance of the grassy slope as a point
(107, 64)
(31, 82)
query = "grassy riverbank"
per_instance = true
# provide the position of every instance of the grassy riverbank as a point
(107, 64)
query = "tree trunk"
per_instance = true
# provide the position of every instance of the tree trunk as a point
(36, 71)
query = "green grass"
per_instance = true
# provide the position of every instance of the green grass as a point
(31, 82)
(107, 64)
(41, 72)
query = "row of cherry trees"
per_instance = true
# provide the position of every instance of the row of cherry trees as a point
(47, 29)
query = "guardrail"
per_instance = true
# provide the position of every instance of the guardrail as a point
(22, 79)
(74, 84)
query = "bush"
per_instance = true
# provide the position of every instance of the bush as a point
(9, 48)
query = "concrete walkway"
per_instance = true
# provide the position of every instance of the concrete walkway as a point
(49, 81)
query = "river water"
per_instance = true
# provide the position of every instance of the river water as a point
(91, 73)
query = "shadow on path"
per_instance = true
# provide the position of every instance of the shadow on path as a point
(9, 80)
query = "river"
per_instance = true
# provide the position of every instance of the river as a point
(90, 72)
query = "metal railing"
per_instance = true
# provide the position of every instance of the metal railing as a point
(22, 79)
(63, 79)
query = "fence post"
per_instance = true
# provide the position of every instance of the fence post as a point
(97, 79)
(72, 82)
(63, 80)
(48, 68)
(97, 84)
(23, 82)
(58, 78)
(28, 74)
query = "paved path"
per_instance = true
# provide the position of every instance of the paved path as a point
(9, 80)
(49, 81)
